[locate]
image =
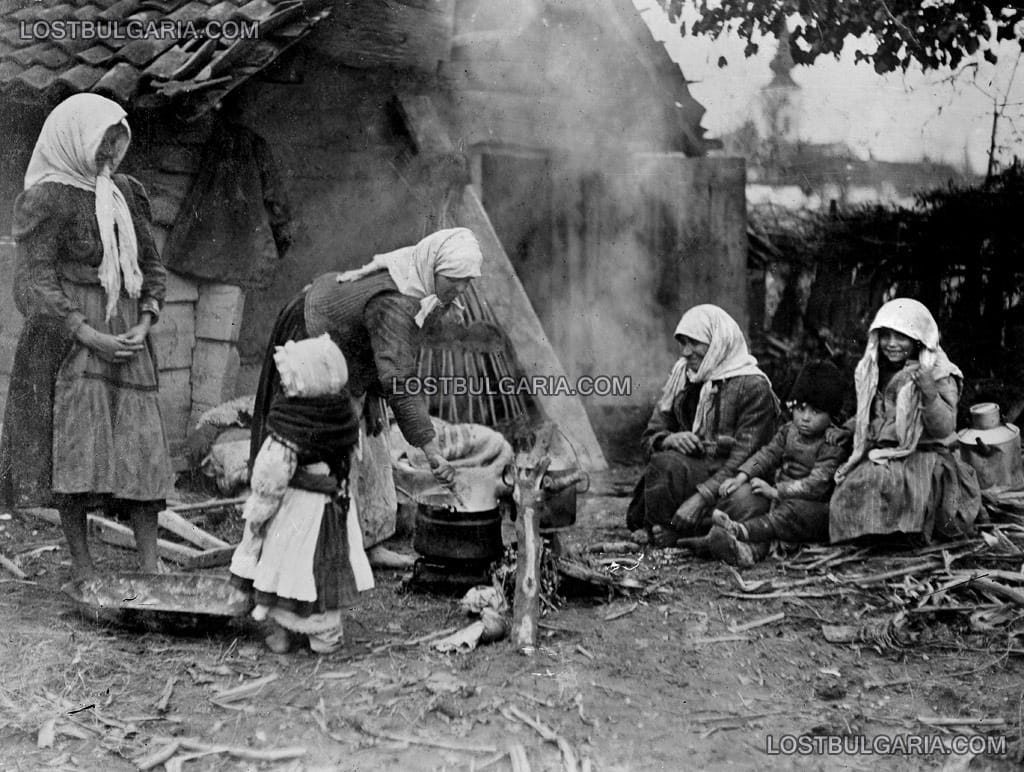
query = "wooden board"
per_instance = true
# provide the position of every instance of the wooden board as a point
(504, 293)
(370, 34)
(429, 134)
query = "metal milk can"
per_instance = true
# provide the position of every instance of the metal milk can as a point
(992, 448)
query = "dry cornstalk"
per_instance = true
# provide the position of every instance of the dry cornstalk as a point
(757, 623)
(165, 696)
(621, 612)
(569, 762)
(413, 740)
(248, 754)
(248, 689)
(961, 721)
(12, 567)
(157, 757)
(517, 755)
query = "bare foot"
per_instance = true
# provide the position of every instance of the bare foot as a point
(381, 557)
(725, 546)
(663, 536)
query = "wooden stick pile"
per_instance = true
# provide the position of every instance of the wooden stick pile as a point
(479, 353)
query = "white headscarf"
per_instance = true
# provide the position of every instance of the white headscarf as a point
(66, 153)
(314, 367)
(727, 357)
(453, 252)
(911, 318)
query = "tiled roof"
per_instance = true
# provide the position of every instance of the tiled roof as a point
(143, 51)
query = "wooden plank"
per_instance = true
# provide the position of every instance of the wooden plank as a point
(211, 558)
(504, 293)
(176, 524)
(219, 311)
(119, 535)
(370, 34)
(176, 402)
(174, 336)
(429, 134)
(215, 367)
(181, 289)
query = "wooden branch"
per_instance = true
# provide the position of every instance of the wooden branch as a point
(190, 532)
(12, 567)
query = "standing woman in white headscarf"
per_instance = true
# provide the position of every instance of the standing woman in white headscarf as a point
(903, 477)
(82, 427)
(716, 410)
(376, 314)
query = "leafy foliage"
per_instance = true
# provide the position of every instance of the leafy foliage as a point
(891, 34)
(959, 250)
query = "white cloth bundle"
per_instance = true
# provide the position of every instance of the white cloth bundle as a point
(311, 368)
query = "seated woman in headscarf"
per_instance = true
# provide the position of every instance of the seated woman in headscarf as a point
(376, 314)
(301, 556)
(903, 477)
(716, 410)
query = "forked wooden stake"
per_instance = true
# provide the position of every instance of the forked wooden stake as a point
(526, 604)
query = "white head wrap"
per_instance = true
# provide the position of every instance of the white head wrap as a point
(453, 252)
(314, 367)
(66, 153)
(913, 319)
(727, 357)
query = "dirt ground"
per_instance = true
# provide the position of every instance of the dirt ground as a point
(662, 680)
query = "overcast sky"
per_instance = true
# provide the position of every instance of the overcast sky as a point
(894, 117)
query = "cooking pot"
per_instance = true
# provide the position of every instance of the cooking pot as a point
(557, 503)
(992, 448)
(449, 531)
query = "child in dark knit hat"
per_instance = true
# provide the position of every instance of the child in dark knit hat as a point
(782, 491)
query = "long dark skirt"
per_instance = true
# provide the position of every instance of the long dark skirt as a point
(670, 479)
(290, 325)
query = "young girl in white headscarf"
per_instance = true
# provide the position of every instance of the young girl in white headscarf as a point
(376, 315)
(82, 427)
(902, 477)
(716, 410)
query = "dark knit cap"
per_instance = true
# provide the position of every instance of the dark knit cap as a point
(820, 385)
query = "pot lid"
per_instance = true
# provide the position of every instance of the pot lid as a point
(985, 415)
(1000, 435)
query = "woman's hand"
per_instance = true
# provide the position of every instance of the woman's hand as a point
(761, 487)
(136, 336)
(732, 484)
(443, 472)
(925, 381)
(109, 348)
(689, 513)
(842, 471)
(684, 442)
